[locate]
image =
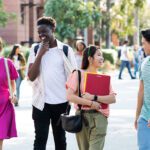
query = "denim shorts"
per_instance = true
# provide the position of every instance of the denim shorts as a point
(143, 135)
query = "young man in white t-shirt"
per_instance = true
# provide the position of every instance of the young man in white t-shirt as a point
(125, 62)
(48, 71)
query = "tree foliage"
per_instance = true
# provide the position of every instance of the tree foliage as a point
(145, 18)
(72, 15)
(122, 16)
(3, 15)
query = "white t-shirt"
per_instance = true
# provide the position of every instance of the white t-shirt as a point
(16, 62)
(54, 77)
(124, 53)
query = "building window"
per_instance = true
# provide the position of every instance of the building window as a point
(22, 13)
(39, 12)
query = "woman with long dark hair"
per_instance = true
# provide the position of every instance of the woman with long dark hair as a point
(20, 64)
(92, 135)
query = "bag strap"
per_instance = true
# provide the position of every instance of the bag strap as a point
(36, 49)
(79, 92)
(79, 87)
(8, 76)
(65, 49)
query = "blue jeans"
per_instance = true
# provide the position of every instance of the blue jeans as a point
(143, 135)
(127, 65)
(136, 67)
(18, 83)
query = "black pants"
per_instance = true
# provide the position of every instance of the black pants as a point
(42, 119)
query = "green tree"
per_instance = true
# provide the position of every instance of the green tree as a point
(72, 15)
(4, 16)
(123, 16)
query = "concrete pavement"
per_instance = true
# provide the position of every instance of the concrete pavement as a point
(121, 133)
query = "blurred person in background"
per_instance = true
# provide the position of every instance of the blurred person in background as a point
(125, 60)
(141, 55)
(20, 63)
(135, 60)
(7, 114)
(80, 46)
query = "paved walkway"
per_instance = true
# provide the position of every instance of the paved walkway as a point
(121, 133)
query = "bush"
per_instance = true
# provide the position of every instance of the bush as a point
(109, 57)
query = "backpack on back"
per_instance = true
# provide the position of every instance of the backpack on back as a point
(65, 49)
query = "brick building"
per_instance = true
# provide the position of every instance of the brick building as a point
(22, 29)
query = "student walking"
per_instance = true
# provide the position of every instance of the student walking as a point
(7, 114)
(20, 63)
(142, 119)
(92, 135)
(125, 60)
(48, 70)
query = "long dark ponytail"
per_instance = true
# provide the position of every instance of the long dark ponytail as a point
(89, 51)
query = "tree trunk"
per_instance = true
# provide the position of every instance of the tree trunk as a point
(136, 23)
(108, 35)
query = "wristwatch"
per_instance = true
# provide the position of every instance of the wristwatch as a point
(95, 98)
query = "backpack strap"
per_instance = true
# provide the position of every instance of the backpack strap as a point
(36, 49)
(65, 50)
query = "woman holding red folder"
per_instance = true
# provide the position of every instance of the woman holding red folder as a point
(92, 135)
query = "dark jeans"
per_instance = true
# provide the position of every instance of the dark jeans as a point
(127, 65)
(42, 119)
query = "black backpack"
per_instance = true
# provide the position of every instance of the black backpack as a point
(65, 49)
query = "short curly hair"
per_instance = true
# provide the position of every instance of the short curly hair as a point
(47, 21)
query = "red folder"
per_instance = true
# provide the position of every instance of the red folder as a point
(97, 84)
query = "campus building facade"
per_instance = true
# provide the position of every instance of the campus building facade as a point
(22, 28)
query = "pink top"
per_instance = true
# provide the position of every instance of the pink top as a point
(72, 83)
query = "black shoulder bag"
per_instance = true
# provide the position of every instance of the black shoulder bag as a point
(73, 124)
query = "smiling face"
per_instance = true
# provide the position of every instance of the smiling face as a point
(45, 33)
(97, 60)
(146, 46)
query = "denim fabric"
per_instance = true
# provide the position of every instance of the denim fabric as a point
(143, 135)
(18, 83)
(136, 68)
(127, 65)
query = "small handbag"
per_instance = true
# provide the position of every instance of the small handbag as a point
(73, 124)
